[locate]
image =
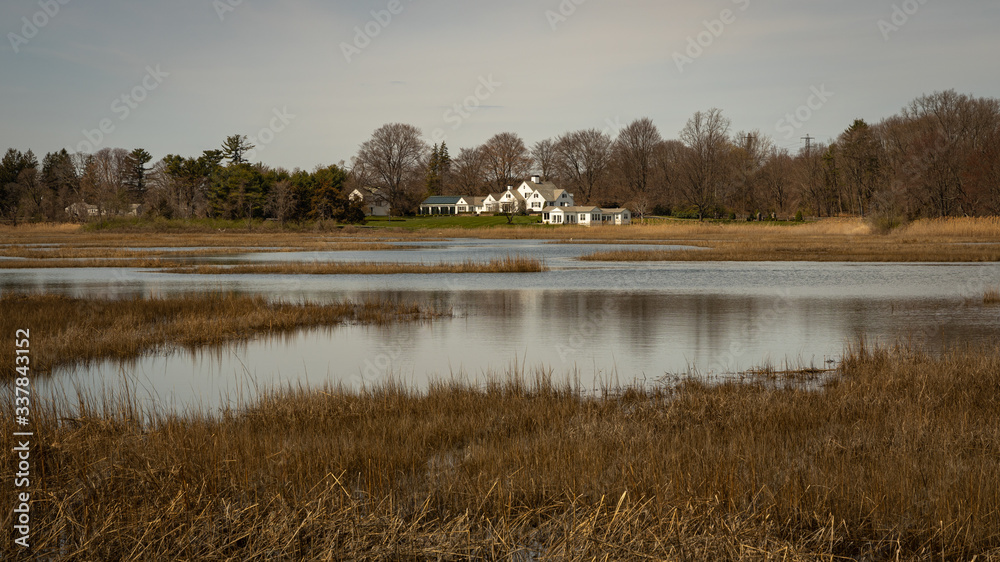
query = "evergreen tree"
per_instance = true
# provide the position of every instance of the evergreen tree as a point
(60, 182)
(433, 178)
(235, 149)
(16, 170)
(135, 179)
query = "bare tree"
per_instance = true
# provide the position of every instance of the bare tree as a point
(808, 174)
(634, 155)
(544, 154)
(750, 155)
(507, 160)
(862, 163)
(110, 168)
(391, 161)
(669, 157)
(282, 200)
(469, 171)
(706, 167)
(582, 161)
(774, 179)
(511, 209)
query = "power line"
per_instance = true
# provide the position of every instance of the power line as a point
(808, 140)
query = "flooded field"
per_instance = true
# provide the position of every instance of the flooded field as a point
(597, 322)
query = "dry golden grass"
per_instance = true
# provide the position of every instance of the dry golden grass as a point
(805, 250)
(65, 330)
(992, 296)
(89, 263)
(960, 239)
(73, 238)
(987, 228)
(955, 240)
(508, 264)
(897, 459)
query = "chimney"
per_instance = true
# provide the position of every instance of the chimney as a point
(536, 179)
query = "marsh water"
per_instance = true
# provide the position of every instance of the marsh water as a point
(598, 323)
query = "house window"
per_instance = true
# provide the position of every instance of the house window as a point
(545, 216)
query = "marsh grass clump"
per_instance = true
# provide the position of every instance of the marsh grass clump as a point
(992, 296)
(65, 330)
(897, 457)
(507, 264)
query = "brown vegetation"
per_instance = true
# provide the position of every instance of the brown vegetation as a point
(75, 237)
(819, 251)
(88, 263)
(947, 240)
(951, 240)
(897, 458)
(992, 296)
(508, 264)
(65, 330)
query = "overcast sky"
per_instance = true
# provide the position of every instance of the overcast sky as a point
(311, 80)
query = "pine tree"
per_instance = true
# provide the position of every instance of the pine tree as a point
(136, 175)
(434, 172)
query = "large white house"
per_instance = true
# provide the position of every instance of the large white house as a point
(538, 195)
(531, 196)
(586, 216)
(373, 200)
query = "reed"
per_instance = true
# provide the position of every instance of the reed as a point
(897, 458)
(66, 330)
(944, 240)
(817, 249)
(992, 296)
(82, 263)
(508, 264)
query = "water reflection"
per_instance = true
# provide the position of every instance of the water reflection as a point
(599, 320)
(597, 335)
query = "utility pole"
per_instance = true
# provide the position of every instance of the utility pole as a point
(808, 140)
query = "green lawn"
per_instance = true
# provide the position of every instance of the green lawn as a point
(450, 222)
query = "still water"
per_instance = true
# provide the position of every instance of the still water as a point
(596, 322)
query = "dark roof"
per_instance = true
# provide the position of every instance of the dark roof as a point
(442, 200)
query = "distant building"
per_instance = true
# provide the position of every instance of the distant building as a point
(442, 205)
(586, 216)
(559, 208)
(84, 210)
(470, 205)
(375, 203)
(538, 195)
(511, 201)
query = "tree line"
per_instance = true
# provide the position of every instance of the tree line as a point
(219, 183)
(939, 156)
